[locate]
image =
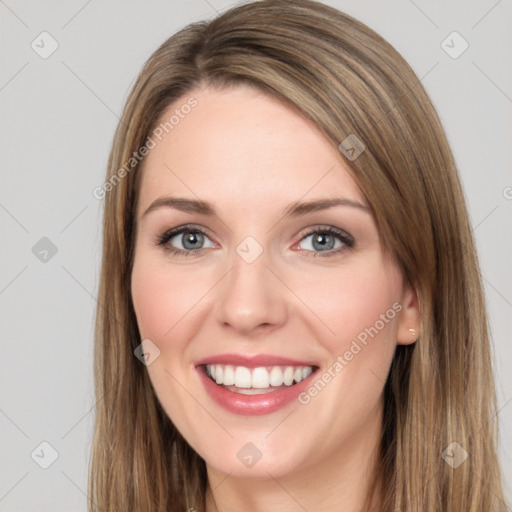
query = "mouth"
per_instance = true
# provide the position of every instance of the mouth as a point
(255, 385)
(256, 381)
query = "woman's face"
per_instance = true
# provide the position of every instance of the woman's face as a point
(261, 292)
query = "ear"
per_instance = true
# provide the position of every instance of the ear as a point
(409, 321)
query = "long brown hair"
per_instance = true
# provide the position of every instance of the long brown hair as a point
(335, 71)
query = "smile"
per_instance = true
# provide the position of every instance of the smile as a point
(254, 385)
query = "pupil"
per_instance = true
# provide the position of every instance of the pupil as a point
(320, 239)
(191, 239)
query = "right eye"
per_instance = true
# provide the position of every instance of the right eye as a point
(187, 236)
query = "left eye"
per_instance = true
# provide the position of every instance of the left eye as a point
(323, 241)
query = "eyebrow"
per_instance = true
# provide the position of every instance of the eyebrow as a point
(296, 209)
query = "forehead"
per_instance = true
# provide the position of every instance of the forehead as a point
(240, 147)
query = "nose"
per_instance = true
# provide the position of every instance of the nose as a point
(251, 298)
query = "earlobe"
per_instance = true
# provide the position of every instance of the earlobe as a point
(409, 323)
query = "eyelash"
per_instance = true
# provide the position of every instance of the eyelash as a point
(345, 238)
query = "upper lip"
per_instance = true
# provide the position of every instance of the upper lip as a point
(253, 361)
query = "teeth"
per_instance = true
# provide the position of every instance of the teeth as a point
(276, 376)
(306, 372)
(288, 376)
(260, 378)
(229, 376)
(219, 371)
(257, 378)
(242, 377)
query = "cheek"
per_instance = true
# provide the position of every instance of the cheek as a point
(161, 299)
(163, 306)
(149, 303)
(358, 304)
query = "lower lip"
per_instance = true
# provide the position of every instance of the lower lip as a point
(252, 405)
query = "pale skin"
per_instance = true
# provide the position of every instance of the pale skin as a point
(251, 157)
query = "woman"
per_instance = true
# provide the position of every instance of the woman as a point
(290, 311)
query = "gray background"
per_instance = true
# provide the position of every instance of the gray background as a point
(58, 116)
